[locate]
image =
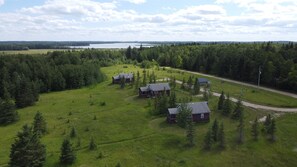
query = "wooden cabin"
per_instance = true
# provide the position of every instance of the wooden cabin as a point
(200, 112)
(129, 77)
(152, 90)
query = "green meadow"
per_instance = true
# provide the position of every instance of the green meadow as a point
(125, 132)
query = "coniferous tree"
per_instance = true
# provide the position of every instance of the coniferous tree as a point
(240, 129)
(144, 78)
(39, 124)
(73, 132)
(190, 83)
(255, 129)
(8, 113)
(183, 84)
(207, 140)
(172, 100)
(267, 123)
(227, 106)
(122, 82)
(183, 115)
(92, 145)
(67, 153)
(190, 131)
(137, 81)
(221, 137)
(27, 149)
(271, 130)
(215, 129)
(221, 101)
(196, 90)
(162, 104)
(238, 111)
(205, 94)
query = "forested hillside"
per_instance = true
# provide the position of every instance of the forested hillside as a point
(23, 77)
(239, 61)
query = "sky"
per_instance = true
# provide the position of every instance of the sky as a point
(148, 20)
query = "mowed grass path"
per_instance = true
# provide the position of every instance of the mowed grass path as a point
(125, 132)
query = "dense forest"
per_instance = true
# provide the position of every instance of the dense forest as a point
(23, 77)
(276, 62)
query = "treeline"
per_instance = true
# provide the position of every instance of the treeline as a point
(23, 77)
(239, 61)
(21, 45)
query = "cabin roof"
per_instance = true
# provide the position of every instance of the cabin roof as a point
(156, 87)
(203, 80)
(197, 108)
(123, 75)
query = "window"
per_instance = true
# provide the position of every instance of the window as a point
(202, 116)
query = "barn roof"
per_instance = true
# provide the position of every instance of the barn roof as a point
(197, 108)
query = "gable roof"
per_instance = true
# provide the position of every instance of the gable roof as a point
(203, 80)
(158, 86)
(197, 108)
(123, 75)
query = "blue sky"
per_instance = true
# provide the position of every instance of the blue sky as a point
(149, 20)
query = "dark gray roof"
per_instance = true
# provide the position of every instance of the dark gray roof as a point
(124, 75)
(197, 108)
(203, 80)
(158, 86)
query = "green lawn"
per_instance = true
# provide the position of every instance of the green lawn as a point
(125, 132)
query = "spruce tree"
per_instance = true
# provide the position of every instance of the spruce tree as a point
(207, 140)
(183, 115)
(144, 81)
(122, 82)
(221, 101)
(215, 129)
(190, 83)
(73, 132)
(39, 124)
(92, 145)
(267, 123)
(255, 129)
(221, 137)
(238, 111)
(8, 113)
(190, 132)
(240, 129)
(67, 153)
(196, 90)
(172, 100)
(183, 84)
(27, 149)
(205, 94)
(271, 130)
(227, 106)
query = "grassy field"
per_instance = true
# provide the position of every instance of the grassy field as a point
(250, 94)
(125, 132)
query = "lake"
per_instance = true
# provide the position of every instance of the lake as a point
(114, 45)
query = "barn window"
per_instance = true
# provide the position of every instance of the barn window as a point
(202, 116)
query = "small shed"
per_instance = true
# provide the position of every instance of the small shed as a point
(203, 81)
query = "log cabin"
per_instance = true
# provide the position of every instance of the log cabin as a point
(129, 77)
(200, 112)
(152, 90)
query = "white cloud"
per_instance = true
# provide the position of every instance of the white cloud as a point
(136, 1)
(1, 2)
